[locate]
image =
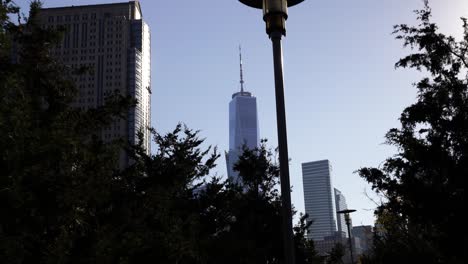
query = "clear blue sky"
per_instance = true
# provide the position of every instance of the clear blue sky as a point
(342, 91)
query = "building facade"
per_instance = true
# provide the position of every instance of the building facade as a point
(243, 125)
(319, 199)
(340, 204)
(366, 236)
(113, 41)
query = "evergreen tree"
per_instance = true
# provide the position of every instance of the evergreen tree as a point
(248, 224)
(422, 219)
(56, 174)
(336, 254)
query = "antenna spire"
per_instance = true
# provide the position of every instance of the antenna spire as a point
(241, 75)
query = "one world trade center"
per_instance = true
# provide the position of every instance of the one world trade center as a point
(243, 125)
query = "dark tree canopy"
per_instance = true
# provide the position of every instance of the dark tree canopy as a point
(246, 216)
(422, 219)
(336, 254)
(56, 175)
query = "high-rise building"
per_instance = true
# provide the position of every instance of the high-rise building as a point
(319, 199)
(340, 204)
(114, 42)
(243, 125)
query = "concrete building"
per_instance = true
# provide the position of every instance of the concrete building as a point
(319, 199)
(114, 42)
(243, 125)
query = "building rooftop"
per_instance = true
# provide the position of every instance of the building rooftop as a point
(136, 3)
(246, 94)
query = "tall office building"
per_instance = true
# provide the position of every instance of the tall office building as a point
(114, 42)
(340, 202)
(319, 199)
(243, 124)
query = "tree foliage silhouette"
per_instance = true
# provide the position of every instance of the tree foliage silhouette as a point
(336, 254)
(252, 215)
(424, 183)
(53, 166)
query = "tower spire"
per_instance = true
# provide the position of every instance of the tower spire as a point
(241, 75)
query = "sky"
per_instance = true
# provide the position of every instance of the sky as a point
(342, 91)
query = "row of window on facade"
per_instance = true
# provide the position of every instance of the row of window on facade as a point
(112, 135)
(90, 96)
(77, 17)
(109, 61)
(68, 18)
(82, 78)
(109, 83)
(116, 126)
(58, 51)
(92, 29)
(84, 41)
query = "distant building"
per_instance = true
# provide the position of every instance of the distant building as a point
(243, 125)
(319, 199)
(340, 203)
(325, 246)
(114, 42)
(365, 235)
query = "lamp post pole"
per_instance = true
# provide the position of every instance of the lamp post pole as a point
(348, 224)
(275, 15)
(283, 149)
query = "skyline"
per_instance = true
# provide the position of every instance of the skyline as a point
(179, 47)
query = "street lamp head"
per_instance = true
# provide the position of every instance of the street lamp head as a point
(259, 3)
(275, 13)
(346, 214)
(347, 211)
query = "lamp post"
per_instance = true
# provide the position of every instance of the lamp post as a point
(275, 13)
(348, 224)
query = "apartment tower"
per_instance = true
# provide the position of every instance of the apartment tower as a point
(114, 42)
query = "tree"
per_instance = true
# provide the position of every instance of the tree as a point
(157, 215)
(248, 219)
(173, 211)
(336, 254)
(424, 183)
(56, 174)
(305, 248)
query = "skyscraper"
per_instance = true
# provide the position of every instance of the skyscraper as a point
(114, 42)
(340, 202)
(243, 124)
(319, 199)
